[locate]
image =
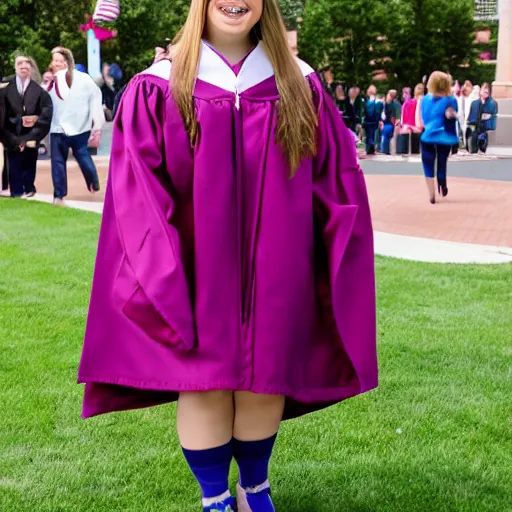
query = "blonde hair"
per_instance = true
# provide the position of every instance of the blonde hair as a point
(440, 84)
(419, 90)
(297, 118)
(34, 75)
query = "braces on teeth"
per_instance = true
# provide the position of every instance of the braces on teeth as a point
(234, 10)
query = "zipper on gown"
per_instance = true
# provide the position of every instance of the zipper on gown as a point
(245, 270)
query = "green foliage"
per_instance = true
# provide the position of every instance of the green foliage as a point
(478, 73)
(406, 38)
(143, 24)
(291, 11)
(56, 23)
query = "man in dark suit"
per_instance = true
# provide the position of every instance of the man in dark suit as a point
(27, 111)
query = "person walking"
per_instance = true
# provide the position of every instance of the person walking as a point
(438, 114)
(235, 271)
(482, 119)
(77, 111)
(26, 121)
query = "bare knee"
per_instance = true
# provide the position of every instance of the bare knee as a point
(205, 419)
(257, 416)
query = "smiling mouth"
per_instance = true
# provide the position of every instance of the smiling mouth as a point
(233, 11)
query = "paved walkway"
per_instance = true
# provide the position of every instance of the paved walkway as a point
(473, 224)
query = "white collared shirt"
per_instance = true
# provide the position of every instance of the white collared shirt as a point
(22, 85)
(76, 109)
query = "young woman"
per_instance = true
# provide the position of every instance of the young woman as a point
(235, 265)
(482, 118)
(77, 113)
(438, 113)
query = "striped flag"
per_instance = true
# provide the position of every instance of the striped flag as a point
(106, 11)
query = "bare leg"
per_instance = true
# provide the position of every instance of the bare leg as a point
(431, 187)
(257, 416)
(205, 419)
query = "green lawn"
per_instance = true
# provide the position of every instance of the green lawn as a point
(436, 435)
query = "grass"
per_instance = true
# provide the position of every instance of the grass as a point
(436, 435)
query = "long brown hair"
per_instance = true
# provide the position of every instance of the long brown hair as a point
(70, 61)
(297, 119)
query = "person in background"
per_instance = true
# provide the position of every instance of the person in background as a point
(397, 106)
(353, 111)
(341, 101)
(482, 118)
(161, 53)
(3, 160)
(27, 117)
(387, 124)
(456, 89)
(111, 85)
(406, 95)
(327, 79)
(77, 111)
(408, 141)
(371, 118)
(438, 114)
(464, 106)
(44, 148)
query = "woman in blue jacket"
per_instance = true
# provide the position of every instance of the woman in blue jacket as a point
(438, 113)
(482, 118)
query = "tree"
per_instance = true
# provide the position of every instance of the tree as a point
(432, 35)
(56, 23)
(407, 39)
(345, 34)
(291, 11)
(143, 24)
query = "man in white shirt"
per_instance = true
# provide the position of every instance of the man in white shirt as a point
(77, 110)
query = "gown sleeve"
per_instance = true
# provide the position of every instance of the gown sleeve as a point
(142, 207)
(343, 218)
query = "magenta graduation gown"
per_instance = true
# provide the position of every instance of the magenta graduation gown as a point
(215, 270)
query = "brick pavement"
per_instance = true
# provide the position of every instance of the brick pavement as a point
(475, 211)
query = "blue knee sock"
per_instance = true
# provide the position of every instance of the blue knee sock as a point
(211, 468)
(252, 458)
